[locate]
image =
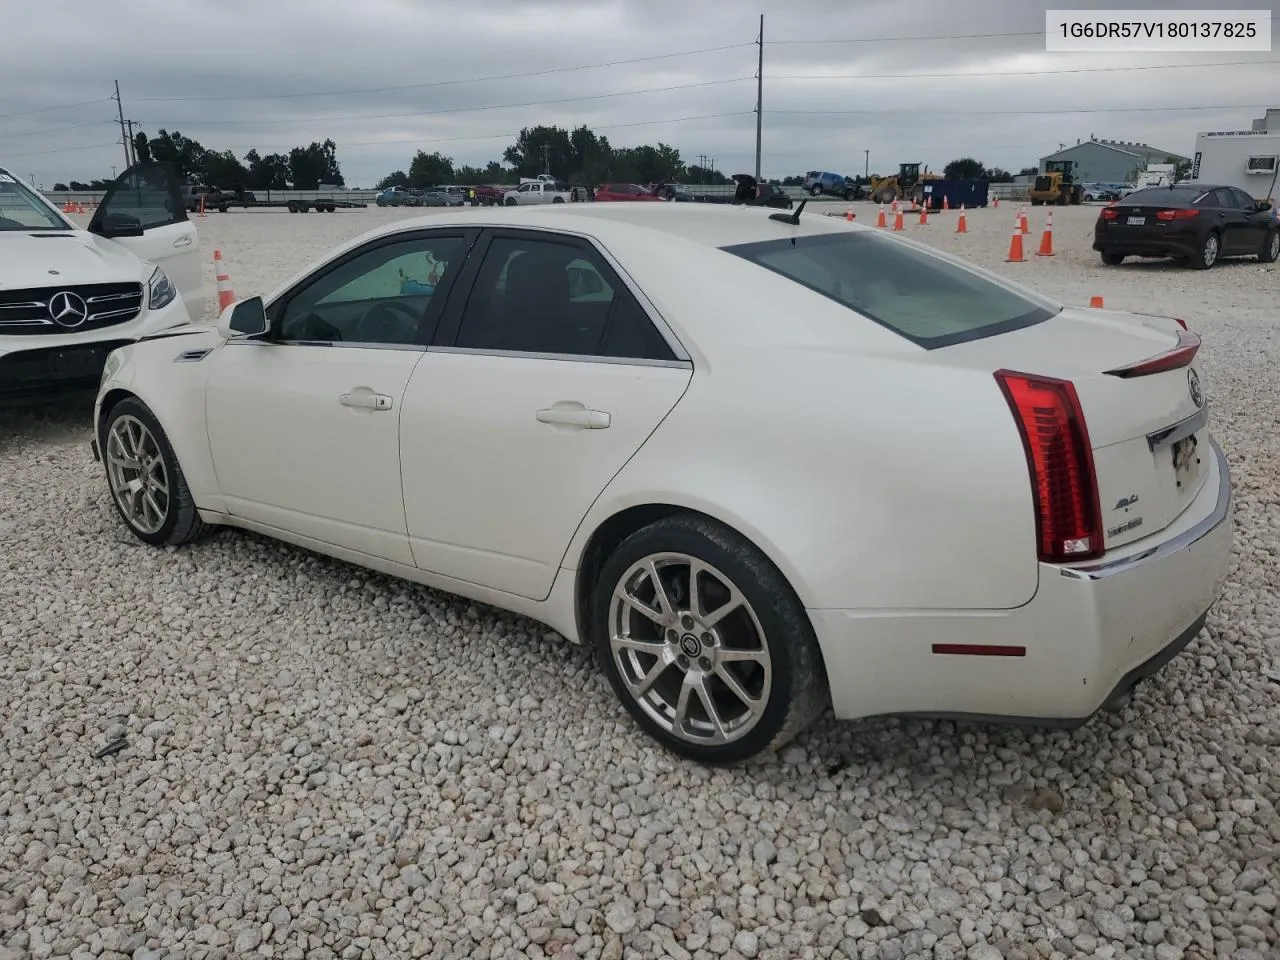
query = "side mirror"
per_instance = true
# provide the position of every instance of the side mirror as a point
(119, 225)
(1262, 206)
(244, 318)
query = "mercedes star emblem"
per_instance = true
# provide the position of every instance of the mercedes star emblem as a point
(68, 309)
(1193, 385)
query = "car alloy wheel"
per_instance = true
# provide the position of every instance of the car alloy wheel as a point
(1209, 252)
(690, 649)
(1273, 247)
(138, 476)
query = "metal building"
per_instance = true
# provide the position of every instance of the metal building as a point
(1111, 161)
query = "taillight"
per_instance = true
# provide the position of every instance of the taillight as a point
(1177, 214)
(1109, 212)
(1179, 356)
(1063, 481)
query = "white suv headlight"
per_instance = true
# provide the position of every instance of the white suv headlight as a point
(161, 291)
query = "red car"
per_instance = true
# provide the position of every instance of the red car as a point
(624, 191)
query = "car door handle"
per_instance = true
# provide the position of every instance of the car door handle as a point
(183, 241)
(366, 401)
(575, 416)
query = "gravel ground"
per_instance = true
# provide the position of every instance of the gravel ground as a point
(320, 762)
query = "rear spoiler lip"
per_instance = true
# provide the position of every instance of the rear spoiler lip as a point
(1180, 356)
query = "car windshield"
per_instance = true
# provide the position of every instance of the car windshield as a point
(20, 209)
(929, 300)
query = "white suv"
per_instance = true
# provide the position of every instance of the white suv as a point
(70, 295)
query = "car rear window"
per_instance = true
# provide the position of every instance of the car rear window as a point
(927, 299)
(1166, 195)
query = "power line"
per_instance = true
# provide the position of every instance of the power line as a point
(65, 106)
(41, 153)
(448, 110)
(948, 36)
(1012, 113)
(1018, 73)
(71, 126)
(448, 83)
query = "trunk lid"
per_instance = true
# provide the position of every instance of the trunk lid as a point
(1148, 433)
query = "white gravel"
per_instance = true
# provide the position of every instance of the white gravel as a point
(321, 762)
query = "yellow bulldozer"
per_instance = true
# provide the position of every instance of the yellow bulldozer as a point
(1057, 185)
(907, 183)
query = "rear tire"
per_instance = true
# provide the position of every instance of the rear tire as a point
(1210, 251)
(1270, 251)
(1112, 259)
(815, 191)
(147, 486)
(1035, 202)
(557, 199)
(759, 666)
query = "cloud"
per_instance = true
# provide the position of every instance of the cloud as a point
(396, 76)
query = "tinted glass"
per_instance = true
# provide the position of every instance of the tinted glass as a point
(1242, 199)
(538, 296)
(929, 300)
(1164, 196)
(20, 209)
(144, 196)
(384, 296)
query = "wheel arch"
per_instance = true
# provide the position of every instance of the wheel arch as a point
(609, 533)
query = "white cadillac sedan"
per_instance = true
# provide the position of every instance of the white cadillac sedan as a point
(69, 296)
(760, 462)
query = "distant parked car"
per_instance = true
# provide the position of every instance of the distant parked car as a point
(1099, 191)
(399, 197)
(1197, 223)
(624, 192)
(817, 182)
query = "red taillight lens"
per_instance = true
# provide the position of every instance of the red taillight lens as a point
(1176, 214)
(1063, 482)
(1109, 213)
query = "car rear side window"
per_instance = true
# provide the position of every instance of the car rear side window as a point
(927, 299)
(547, 297)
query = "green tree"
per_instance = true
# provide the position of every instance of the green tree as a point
(997, 175)
(142, 147)
(542, 150)
(397, 179)
(186, 155)
(224, 170)
(267, 173)
(313, 165)
(430, 169)
(966, 168)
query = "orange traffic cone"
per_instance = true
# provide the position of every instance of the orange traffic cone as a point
(1095, 302)
(1026, 222)
(1015, 246)
(1046, 239)
(848, 214)
(946, 203)
(961, 226)
(226, 296)
(897, 220)
(924, 214)
(202, 205)
(881, 222)
(995, 202)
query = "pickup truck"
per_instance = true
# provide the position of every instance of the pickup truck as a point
(213, 197)
(538, 192)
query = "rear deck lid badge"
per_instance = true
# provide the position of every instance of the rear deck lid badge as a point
(1193, 385)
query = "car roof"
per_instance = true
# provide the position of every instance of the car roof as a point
(710, 224)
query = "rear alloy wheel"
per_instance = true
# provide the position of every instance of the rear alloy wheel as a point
(1112, 259)
(1270, 252)
(1209, 252)
(705, 642)
(147, 485)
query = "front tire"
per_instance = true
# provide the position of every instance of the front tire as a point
(511, 201)
(705, 643)
(147, 485)
(1270, 251)
(815, 191)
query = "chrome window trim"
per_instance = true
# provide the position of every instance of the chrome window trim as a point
(357, 344)
(574, 357)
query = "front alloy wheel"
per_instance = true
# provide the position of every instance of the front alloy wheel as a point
(139, 480)
(705, 642)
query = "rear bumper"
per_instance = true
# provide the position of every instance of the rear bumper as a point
(1087, 637)
(1174, 245)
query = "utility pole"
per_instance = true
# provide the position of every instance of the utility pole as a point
(133, 153)
(759, 94)
(124, 139)
(866, 168)
(546, 158)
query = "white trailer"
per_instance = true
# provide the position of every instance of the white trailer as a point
(1248, 159)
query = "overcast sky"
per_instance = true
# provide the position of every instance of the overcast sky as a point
(403, 75)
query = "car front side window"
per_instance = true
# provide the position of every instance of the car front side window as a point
(388, 295)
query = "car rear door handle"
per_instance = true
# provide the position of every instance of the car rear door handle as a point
(183, 241)
(575, 415)
(366, 401)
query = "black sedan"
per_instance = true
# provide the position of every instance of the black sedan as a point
(1194, 222)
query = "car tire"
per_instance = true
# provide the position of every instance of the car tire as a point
(1112, 259)
(1270, 251)
(163, 517)
(764, 646)
(510, 201)
(557, 199)
(1209, 253)
(815, 191)
(1035, 202)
